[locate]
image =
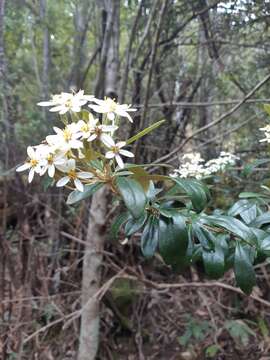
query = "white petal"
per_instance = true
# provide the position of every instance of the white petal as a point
(31, 152)
(119, 161)
(107, 140)
(24, 167)
(121, 144)
(31, 175)
(51, 171)
(85, 175)
(111, 116)
(110, 155)
(92, 137)
(76, 108)
(63, 111)
(56, 108)
(98, 109)
(126, 153)
(124, 114)
(75, 144)
(63, 181)
(45, 103)
(78, 185)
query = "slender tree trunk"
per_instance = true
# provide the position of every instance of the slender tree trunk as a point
(96, 235)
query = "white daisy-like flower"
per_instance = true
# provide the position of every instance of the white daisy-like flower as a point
(86, 128)
(72, 175)
(65, 139)
(101, 132)
(33, 164)
(51, 159)
(65, 102)
(116, 150)
(111, 108)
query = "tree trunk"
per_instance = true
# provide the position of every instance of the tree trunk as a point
(96, 235)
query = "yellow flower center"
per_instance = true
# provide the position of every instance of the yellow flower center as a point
(67, 134)
(115, 149)
(68, 103)
(85, 128)
(72, 174)
(50, 159)
(112, 104)
(33, 162)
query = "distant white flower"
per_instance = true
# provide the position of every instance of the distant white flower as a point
(65, 139)
(72, 175)
(111, 108)
(34, 164)
(266, 131)
(65, 102)
(195, 166)
(51, 159)
(116, 150)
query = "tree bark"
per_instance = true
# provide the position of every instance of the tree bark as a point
(96, 234)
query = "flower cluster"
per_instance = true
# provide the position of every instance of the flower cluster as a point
(64, 155)
(194, 166)
(266, 131)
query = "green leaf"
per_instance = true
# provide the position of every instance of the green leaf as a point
(267, 108)
(250, 195)
(118, 222)
(133, 195)
(232, 225)
(195, 190)
(214, 262)
(133, 225)
(173, 239)
(150, 235)
(243, 269)
(77, 195)
(261, 220)
(145, 132)
(265, 245)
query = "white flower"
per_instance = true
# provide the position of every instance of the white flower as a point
(65, 102)
(266, 131)
(34, 164)
(116, 150)
(72, 175)
(111, 108)
(65, 139)
(100, 132)
(195, 166)
(86, 128)
(51, 159)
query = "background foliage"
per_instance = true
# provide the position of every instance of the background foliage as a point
(208, 56)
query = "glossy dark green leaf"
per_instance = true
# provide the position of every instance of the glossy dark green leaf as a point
(203, 235)
(195, 191)
(232, 225)
(261, 220)
(265, 245)
(118, 222)
(133, 225)
(214, 262)
(243, 269)
(77, 195)
(133, 195)
(150, 236)
(173, 239)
